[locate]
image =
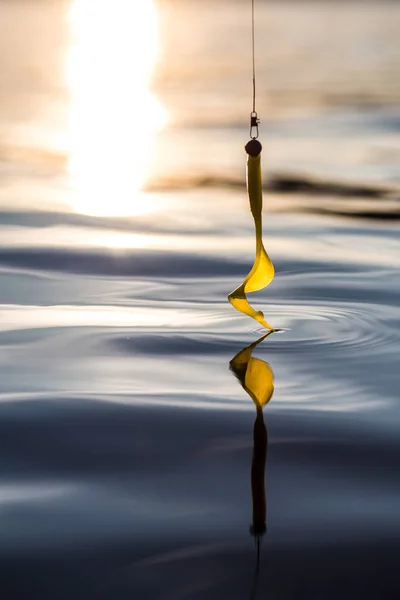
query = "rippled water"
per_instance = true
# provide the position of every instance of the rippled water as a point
(126, 441)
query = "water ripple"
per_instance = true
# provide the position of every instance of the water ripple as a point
(340, 327)
(351, 328)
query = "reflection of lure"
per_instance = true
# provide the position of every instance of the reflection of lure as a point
(254, 374)
(257, 379)
(262, 271)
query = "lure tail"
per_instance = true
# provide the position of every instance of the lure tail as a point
(262, 272)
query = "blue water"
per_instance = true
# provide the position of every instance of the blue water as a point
(126, 441)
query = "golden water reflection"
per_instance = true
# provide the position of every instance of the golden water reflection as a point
(113, 114)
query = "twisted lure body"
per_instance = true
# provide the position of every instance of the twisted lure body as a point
(262, 271)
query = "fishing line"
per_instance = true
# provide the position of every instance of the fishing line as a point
(253, 55)
(254, 121)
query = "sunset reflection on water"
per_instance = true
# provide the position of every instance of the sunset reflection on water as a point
(113, 115)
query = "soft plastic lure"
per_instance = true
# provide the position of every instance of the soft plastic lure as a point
(262, 272)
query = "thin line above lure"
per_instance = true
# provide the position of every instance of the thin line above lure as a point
(262, 272)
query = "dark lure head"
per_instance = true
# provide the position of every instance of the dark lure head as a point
(253, 148)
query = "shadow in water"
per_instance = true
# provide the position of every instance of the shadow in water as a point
(257, 379)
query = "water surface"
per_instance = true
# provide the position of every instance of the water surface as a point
(126, 441)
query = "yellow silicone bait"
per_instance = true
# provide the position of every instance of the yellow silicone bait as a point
(262, 272)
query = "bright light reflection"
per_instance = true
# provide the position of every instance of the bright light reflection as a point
(113, 115)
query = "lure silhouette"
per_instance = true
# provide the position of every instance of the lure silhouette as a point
(257, 379)
(262, 272)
